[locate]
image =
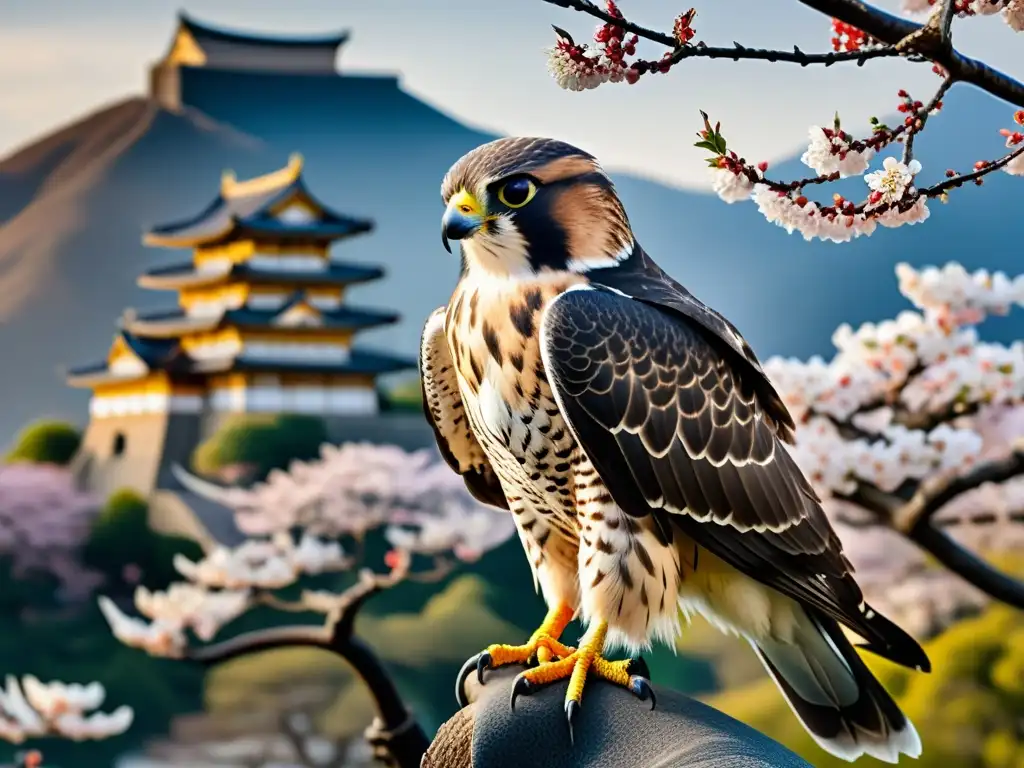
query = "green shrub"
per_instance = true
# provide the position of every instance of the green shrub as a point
(404, 396)
(262, 443)
(46, 442)
(121, 538)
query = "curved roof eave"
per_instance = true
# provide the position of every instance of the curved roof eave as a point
(200, 30)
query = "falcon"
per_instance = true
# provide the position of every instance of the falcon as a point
(633, 435)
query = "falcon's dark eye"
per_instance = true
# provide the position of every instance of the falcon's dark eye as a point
(517, 192)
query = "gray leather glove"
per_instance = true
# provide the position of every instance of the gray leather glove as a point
(614, 729)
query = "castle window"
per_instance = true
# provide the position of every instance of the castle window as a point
(120, 443)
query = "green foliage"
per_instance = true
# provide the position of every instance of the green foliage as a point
(46, 442)
(121, 537)
(406, 396)
(262, 443)
(967, 710)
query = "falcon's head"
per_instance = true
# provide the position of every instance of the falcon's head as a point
(529, 205)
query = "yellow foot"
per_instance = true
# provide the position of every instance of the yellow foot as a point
(630, 674)
(542, 647)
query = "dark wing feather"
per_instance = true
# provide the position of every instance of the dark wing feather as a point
(640, 277)
(671, 427)
(443, 407)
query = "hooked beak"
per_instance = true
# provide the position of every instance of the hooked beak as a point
(463, 217)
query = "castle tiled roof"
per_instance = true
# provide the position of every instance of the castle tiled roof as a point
(360, 361)
(167, 355)
(188, 275)
(244, 209)
(165, 324)
(203, 32)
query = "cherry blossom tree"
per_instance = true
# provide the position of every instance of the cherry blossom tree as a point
(31, 709)
(860, 33)
(915, 430)
(310, 520)
(44, 522)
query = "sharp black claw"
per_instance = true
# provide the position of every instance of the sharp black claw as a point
(641, 688)
(572, 709)
(464, 673)
(520, 687)
(483, 661)
(638, 667)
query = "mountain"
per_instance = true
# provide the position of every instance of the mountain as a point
(74, 204)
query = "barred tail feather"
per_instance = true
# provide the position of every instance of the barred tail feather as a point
(840, 703)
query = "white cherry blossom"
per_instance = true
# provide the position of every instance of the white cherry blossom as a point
(422, 506)
(264, 563)
(729, 186)
(33, 709)
(828, 153)
(894, 180)
(926, 362)
(856, 415)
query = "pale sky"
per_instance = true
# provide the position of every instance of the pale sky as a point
(483, 62)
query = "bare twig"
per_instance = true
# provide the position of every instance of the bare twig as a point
(922, 117)
(442, 568)
(796, 56)
(271, 600)
(989, 167)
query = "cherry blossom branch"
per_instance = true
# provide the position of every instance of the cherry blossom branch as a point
(898, 37)
(893, 198)
(682, 50)
(913, 518)
(936, 492)
(892, 30)
(946, 23)
(396, 734)
(921, 117)
(441, 569)
(982, 168)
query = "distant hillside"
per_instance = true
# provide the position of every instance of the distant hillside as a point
(74, 204)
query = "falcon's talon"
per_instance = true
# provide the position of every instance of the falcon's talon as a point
(572, 709)
(641, 688)
(483, 661)
(542, 647)
(467, 669)
(521, 686)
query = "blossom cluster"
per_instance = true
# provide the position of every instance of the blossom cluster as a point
(44, 521)
(1014, 139)
(31, 709)
(264, 563)
(577, 67)
(892, 198)
(930, 365)
(358, 487)
(895, 574)
(423, 507)
(1012, 10)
